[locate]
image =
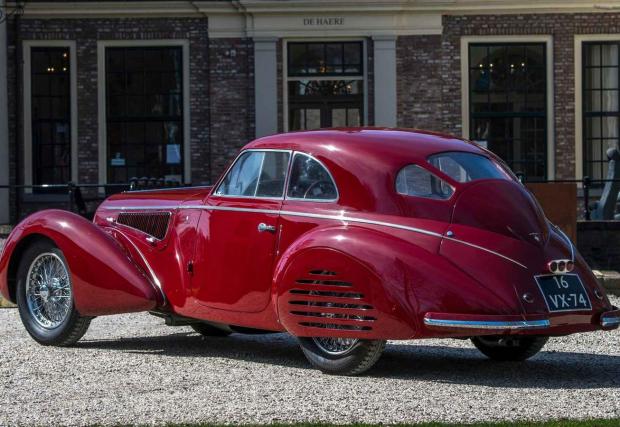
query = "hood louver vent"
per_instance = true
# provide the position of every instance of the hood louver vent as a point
(326, 303)
(153, 224)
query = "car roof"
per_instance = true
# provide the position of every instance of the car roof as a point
(365, 161)
(368, 142)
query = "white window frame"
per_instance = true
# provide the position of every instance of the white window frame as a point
(102, 45)
(27, 46)
(548, 40)
(286, 79)
(578, 52)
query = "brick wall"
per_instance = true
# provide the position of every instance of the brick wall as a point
(222, 80)
(14, 94)
(86, 33)
(370, 76)
(419, 82)
(231, 99)
(562, 27)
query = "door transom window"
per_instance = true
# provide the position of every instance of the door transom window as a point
(325, 83)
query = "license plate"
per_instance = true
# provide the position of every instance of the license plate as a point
(563, 292)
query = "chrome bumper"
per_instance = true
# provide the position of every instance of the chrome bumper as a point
(610, 319)
(503, 325)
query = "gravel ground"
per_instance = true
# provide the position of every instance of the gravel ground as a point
(133, 369)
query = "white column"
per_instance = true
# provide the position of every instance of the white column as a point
(4, 123)
(385, 80)
(265, 86)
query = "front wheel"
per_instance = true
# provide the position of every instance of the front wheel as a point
(45, 297)
(510, 347)
(342, 356)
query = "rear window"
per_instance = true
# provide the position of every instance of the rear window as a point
(414, 180)
(466, 167)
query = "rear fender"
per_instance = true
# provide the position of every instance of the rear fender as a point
(345, 271)
(400, 276)
(103, 277)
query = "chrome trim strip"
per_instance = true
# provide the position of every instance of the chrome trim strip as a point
(609, 321)
(486, 250)
(362, 221)
(488, 324)
(141, 208)
(233, 209)
(154, 278)
(157, 190)
(343, 218)
(572, 248)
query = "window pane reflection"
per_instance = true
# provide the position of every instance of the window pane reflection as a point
(508, 105)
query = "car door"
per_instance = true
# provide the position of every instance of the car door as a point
(238, 233)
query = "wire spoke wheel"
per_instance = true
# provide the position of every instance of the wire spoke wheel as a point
(48, 291)
(336, 346)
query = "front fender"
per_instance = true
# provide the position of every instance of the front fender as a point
(104, 279)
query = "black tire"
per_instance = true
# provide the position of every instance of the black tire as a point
(510, 347)
(72, 327)
(207, 330)
(358, 359)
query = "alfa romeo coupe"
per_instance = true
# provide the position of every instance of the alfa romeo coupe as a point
(344, 238)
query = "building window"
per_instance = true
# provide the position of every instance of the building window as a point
(50, 105)
(601, 112)
(508, 103)
(144, 113)
(325, 84)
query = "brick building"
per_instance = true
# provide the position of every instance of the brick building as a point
(99, 92)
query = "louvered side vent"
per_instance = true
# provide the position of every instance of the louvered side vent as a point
(154, 224)
(320, 300)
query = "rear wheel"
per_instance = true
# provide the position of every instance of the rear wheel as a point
(45, 297)
(207, 330)
(342, 356)
(510, 347)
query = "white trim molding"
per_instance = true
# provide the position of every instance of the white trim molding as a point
(385, 80)
(27, 45)
(102, 45)
(277, 18)
(265, 86)
(548, 40)
(578, 52)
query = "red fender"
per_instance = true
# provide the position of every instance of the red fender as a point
(385, 283)
(103, 277)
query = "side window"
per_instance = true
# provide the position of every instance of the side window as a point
(256, 174)
(466, 167)
(273, 174)
(414, 180)
(310, 180)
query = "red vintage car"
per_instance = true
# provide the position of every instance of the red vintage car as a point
(344, 238)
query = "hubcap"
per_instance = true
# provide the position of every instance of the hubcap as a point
(48, 291)
(336, 346)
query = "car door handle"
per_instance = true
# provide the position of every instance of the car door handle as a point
(264, 227)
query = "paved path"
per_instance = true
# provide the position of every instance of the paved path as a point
(133, 369)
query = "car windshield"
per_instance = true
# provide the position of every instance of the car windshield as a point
(466, 167)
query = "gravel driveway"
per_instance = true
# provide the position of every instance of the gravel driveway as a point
(133, 369)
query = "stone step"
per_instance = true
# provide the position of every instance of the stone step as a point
(5, 304)
(5, 230)
(609, 279)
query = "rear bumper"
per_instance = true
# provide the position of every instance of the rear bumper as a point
(610, 319)
(485, 324)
